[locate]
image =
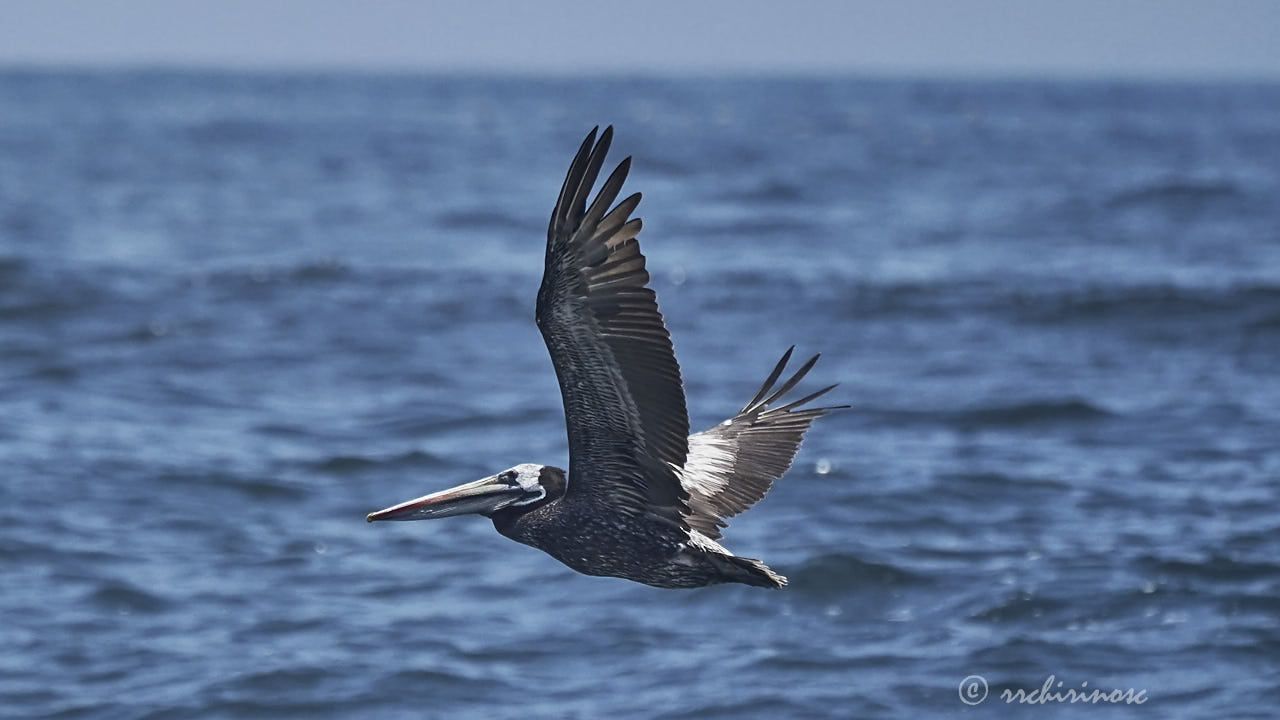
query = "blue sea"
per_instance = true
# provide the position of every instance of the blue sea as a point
(240, 311)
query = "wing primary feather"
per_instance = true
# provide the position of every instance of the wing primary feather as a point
(589, 175)
(617, 217)
(773, 378)
(786, 386)
(571, 181)
(608, 193)
(810, 398)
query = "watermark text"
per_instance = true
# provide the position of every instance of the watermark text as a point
(973, 691)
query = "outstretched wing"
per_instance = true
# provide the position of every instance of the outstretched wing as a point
(623, 399)
(732, 465)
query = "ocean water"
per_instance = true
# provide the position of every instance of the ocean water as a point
(237, 312)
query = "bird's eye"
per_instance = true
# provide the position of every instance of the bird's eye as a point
(507, 476)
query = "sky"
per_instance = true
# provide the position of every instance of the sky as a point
(1072, 38)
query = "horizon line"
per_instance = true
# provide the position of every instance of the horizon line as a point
(870, 74)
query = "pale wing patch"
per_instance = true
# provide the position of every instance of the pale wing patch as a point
(709, 465)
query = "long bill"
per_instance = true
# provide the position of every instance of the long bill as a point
(482, 496)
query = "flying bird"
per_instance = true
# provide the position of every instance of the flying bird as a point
(642, 499)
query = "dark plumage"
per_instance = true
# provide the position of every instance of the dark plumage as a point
(642, 499)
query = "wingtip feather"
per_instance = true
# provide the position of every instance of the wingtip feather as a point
(768, 383)
(793, 381)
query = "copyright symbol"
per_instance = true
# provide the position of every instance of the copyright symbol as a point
(973, 690)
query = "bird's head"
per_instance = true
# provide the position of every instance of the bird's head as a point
(520, 489)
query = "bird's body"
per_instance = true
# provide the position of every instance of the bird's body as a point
(643, 499)
(637, 548)
(586, 540)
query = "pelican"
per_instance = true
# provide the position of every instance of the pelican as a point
(642, 499)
